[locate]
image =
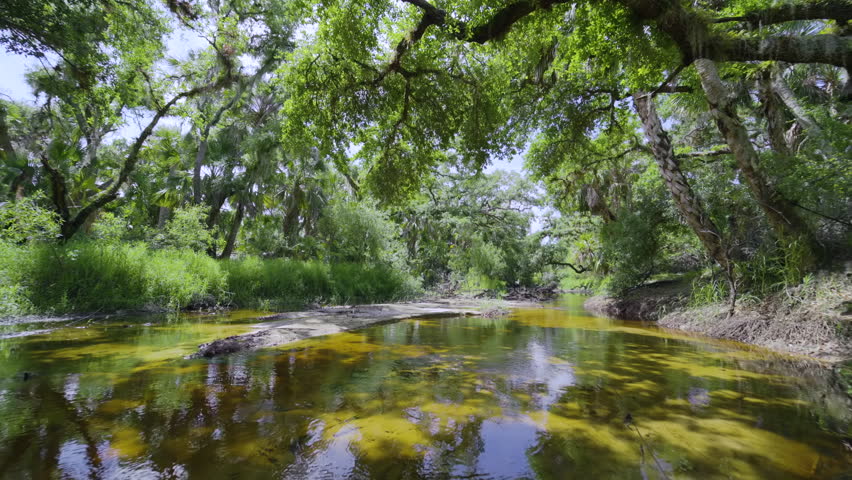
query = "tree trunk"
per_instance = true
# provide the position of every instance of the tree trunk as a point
(164, 212)
(235, 229)
(213, 219)
(17, 187)
(290, 226)
(773, 113)
(780, 87)
(58, 195)
(162, 217)
(196, 171)
(794, 136)
(93, 143)
(780, 212)
(687, 202)
(215, 209)
(19, 184)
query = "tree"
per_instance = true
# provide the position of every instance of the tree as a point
(478, 79)
(778, 209)
(465, 224)
(687, 202)
(104, 73)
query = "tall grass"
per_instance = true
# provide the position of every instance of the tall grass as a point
(96, 276)
(13, 299)
(99, 276)
(282, 283)
(768, 271)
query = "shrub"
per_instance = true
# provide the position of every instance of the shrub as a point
(281, 283)
(177, 278)
(13, 300)
(87, 276)
(365, 283)
(278, 282)
(24, 221)
(359, 233)
(109, 228)
(186, 229)
(630, 246)
(481, 265)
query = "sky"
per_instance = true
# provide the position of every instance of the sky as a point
(12, 85)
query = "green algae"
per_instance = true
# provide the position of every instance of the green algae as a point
(542, 393)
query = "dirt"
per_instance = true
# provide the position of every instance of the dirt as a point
(647, 303)
(809, 320)
(816, 326)
(283, 328)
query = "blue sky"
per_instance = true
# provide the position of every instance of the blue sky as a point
(14, 67)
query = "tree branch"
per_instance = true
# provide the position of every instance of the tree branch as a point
(788, 12)
(496, 27)
(58, 189)
(111, 193)
(6, 139)
(572, 267)
(827, 217)
(712, 153)
(692, 34)
(829, 49)
(668, 80)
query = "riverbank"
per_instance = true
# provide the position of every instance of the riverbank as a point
(86, 277)
(813, 319)
(288, 327)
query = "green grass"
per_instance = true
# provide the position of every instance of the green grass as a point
(282, 283)
(94, 276)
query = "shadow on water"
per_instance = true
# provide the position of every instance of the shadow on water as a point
(543, 393)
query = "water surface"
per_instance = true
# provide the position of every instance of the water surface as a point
(541, 393)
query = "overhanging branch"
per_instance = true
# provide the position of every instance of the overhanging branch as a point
(496, 27)
(788, 12)
(712, 153)
(829, 49)
(688, 29)
(582, 269)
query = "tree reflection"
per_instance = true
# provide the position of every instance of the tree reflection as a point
(543, 394)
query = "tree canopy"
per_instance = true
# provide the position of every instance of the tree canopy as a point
(658, 138)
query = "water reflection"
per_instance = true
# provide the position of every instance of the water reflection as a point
(544, 393)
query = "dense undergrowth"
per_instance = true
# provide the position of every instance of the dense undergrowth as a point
(93, 276)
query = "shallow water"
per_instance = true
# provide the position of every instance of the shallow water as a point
(542, 393)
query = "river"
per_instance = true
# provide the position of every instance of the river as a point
(548, 393)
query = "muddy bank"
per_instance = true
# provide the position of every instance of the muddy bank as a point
(283, 328)
(648, 303)
(800, 330)
(810, 320)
